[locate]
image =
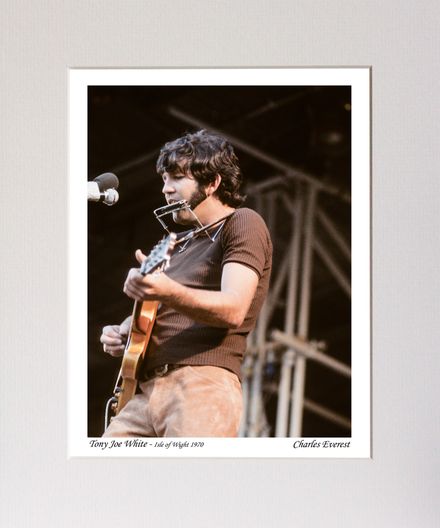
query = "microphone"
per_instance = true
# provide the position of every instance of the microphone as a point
(103, 189)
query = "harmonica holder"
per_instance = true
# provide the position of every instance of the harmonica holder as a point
(160, 212)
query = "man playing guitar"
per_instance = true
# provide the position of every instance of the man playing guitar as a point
(209, 299)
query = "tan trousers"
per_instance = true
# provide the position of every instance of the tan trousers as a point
(199, 401)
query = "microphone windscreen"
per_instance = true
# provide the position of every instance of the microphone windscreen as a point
(107, 181)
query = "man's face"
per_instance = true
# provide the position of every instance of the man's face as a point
(180, 186)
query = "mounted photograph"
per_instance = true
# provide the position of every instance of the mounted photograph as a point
(219, 271)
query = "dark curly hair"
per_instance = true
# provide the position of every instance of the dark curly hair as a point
(204, 154)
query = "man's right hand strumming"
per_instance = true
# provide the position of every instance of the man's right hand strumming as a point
(114, 338)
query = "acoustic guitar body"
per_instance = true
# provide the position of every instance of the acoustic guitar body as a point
(135, 352)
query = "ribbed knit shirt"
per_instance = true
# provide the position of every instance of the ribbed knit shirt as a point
(178, 339)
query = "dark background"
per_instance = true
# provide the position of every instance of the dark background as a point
(307, 127)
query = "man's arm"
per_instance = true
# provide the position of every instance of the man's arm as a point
(226, 308)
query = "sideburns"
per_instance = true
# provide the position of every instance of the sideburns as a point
(197, 198)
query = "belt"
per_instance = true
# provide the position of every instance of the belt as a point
(160, 371)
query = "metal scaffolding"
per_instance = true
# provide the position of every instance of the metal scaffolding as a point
(290, 347)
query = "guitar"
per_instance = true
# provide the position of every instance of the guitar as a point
(142, 322)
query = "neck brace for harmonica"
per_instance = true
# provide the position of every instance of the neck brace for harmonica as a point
(160, 212)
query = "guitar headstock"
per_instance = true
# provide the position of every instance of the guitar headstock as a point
(160, 255)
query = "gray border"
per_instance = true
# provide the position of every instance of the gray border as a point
(398, 487)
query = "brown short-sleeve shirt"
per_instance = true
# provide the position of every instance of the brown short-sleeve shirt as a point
(177, 338)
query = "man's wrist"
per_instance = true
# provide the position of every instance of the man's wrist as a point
(172, 292)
